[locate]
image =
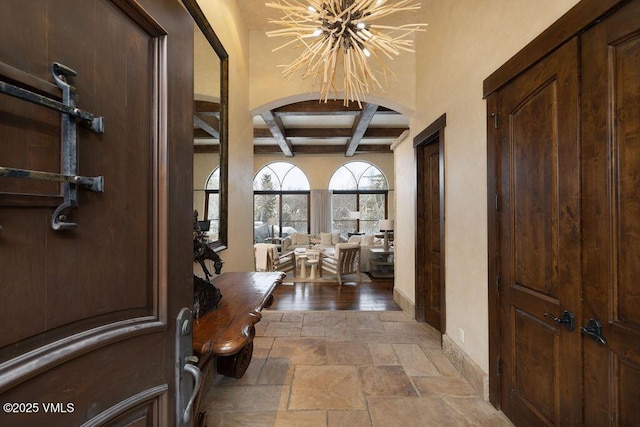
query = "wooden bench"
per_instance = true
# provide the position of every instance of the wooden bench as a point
(227, 332)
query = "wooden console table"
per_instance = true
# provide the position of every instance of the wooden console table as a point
(228, 331)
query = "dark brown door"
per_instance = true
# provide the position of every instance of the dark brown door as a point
(88, 314)
(611, 209)
(430, 292)
(539, 243)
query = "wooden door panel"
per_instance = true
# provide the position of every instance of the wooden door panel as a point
(88, 313)
(432, 206)
(534, 191)
(36, 148)
(429, 249)
(539, 242)
(536, 345)
(433, 200)
(626, 105)
(435, 297)
(628, 374)
(611, 147)
(88, 382)
(68, 261)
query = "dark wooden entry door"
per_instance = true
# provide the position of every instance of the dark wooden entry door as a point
(539, 243)
(88, 314)
(430, 273)
(568, 225)
(611, 209)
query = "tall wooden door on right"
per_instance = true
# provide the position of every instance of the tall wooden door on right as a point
(611, 217)
(568, 234)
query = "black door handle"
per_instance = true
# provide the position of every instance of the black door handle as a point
(567, 319)
(594, 330)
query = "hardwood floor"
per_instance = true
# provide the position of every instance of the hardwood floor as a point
(376, 295)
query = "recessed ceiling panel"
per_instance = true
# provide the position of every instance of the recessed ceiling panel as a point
(314, 141)
(324, 121)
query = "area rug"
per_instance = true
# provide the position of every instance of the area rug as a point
(328, 278)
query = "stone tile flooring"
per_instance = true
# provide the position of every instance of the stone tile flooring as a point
(346, 368)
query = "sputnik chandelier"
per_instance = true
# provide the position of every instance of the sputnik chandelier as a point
(336, 33)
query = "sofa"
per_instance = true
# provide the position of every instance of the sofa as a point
(329, 240)
(302, 240)
(366, 242)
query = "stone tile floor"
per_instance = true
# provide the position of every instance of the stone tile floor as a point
(346, 368)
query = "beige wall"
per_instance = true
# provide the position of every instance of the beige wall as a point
(465, 42)
(226, 20)
(270, 89)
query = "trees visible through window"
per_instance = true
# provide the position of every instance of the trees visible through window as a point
(212, 203)
(281, 201)
(359, 199)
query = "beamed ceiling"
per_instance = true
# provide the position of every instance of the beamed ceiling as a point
(310, 127)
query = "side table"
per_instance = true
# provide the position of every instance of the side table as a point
(382, 266)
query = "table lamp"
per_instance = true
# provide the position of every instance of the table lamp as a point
(272, 223)
(386, 225)
(355, 215)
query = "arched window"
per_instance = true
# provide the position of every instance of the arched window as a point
(212, 203)
(359, 199)
(281, 194)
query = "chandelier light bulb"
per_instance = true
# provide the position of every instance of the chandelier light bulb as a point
(350, 37)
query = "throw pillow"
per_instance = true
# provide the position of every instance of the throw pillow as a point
(302, 239)
(325, 239)
(335, 238)
(367, 240)
(355, 239)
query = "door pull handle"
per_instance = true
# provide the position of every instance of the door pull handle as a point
(197, 375)
(567, 319)
(594, 330)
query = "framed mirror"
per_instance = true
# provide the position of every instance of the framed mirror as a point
(210, 118)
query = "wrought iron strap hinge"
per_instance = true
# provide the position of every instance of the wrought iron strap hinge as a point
(94, 123)
(94, 183)
(68, 150)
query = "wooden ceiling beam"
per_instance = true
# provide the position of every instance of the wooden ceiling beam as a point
(210, 125)
(316, 108)
(206, 148)
(277, 130)
(322, 149)
(322, 133)
(206, 107)
(360, 125)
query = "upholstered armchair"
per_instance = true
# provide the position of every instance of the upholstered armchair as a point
(346, 260)
(266, 258)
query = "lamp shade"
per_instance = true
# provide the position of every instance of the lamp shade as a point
(354, 215)
(271, 221)
(386, 225)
